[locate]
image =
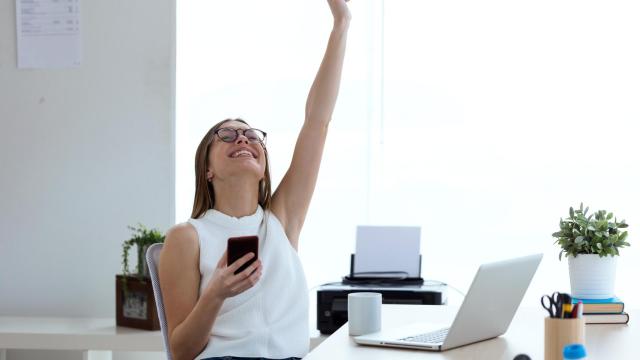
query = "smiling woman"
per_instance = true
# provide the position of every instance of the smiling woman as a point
(222, 174)
(211, 311)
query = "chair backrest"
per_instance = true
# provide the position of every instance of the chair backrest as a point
(152, 256)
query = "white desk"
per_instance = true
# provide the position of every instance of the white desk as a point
(97, 337)
(525, 335)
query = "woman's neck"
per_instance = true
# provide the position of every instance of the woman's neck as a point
(236, 197)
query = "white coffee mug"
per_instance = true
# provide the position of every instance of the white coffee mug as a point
(363, 311)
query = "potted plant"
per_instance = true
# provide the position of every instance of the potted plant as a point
(591, 243)
(135, 304)
(142, 239)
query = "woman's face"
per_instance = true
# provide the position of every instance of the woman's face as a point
(237, 158)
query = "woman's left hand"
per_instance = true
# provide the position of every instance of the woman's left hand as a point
(340, 11)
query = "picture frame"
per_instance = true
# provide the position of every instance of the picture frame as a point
(136, 307)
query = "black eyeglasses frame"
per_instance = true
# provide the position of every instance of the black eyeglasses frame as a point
(242, 132)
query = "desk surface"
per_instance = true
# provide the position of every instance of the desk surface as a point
(525, 335)
(74, 334)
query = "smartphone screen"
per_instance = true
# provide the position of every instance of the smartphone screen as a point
(237, 247)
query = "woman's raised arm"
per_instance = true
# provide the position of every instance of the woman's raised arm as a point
(291, 199)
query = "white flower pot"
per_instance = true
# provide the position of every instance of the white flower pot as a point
(592, 276)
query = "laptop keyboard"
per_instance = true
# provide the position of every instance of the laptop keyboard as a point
(433, 337)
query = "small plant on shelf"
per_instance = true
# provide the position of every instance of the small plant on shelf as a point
(142, 238)
(135, 301)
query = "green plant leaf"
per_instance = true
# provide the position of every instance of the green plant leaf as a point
(594, 234)
(141, 238)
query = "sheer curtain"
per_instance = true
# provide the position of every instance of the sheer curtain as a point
(480, 122)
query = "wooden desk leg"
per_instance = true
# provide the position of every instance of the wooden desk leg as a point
(95, 355)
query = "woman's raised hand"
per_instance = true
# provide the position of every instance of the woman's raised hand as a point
(224, 283)
(340, 11)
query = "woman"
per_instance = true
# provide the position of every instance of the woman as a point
(261, 312)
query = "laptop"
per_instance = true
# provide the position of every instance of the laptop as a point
(485, 313)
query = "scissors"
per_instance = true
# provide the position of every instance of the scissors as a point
(553, 304)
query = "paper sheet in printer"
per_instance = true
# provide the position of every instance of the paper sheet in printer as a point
(387, 248)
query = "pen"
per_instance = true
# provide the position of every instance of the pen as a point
(560, 308)
(574, 311)
(566, 306)
(579, 306)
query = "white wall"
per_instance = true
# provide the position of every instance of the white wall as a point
(84, 152)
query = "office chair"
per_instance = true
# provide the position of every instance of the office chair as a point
(152, 256)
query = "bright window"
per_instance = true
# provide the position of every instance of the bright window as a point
(481, 122)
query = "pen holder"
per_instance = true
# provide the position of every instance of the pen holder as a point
(560, 332)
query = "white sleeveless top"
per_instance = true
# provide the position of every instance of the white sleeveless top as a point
(271, 319)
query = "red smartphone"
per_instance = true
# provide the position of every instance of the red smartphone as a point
(237, 247)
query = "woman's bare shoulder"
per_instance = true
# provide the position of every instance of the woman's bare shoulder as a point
(181, 238)
(183, 230)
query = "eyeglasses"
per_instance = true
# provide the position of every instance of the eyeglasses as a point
(230, 135)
